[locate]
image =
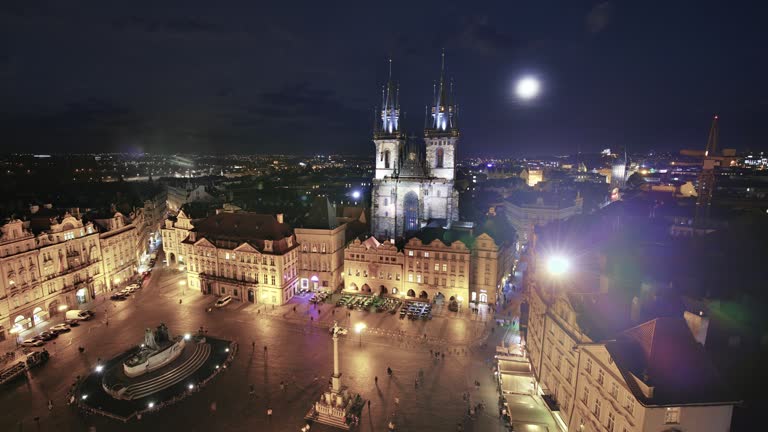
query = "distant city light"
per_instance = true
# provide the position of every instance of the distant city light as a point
(356, 194)
(557, 265)
(527, 87)
(99, 368)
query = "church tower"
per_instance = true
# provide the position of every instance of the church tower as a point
(387, 136)
(441, 131)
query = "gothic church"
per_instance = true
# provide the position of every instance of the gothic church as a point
(413, 184)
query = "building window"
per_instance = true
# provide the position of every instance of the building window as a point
(600, 376)
(585, 396)
(445, 267)
(418, 278)
(437, 267)
(611, 421)
(410, 277)
(273, 279)
(672, 416)
(410, 253)
(597, 408)
(614, 390)
(386, 201)
(589, 366)
(426, 254)
(630, 403)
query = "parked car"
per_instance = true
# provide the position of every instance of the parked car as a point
(77, 314)
(117, 297)
(48, 335)
(29, 343)
(223, 301)
(60, 328)
(134, 286)
(72, 322)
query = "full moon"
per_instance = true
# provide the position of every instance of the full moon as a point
(527, 88)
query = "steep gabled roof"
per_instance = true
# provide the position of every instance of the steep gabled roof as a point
(664, 355)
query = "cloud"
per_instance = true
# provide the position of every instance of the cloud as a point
(174, 26)
(599, 17)
(480, 35)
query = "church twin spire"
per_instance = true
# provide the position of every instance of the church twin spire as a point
(441, 118)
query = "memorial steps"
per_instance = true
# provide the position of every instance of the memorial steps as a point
(170, 378)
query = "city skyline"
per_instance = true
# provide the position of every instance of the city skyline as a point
(166, 80)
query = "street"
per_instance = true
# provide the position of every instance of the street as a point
(287, 377)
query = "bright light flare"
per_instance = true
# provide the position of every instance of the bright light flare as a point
(356, 194)
(557, 265)
(527, 88)
(99, 368)
(359, 327)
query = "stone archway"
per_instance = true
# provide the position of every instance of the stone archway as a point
(353, 287)
(53, 308)
(439, 297)
(383, 290)
(423, 295)
(38, 316)
(411, 293)
(366, 289)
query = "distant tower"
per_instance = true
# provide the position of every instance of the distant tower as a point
(441, 131)
(387, 135)
(707, 177)
(619, 172)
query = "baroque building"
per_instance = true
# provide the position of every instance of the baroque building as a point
(249, 256)
(48, 263)
(413, 185)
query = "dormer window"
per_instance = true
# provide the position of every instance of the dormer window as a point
(268, 245)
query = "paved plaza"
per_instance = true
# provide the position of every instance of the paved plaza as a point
(287, 376)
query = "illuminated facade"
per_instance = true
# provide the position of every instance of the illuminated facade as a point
(321, 257)
(48, 264)
(606, 374)
(248, 256)
(413, 185)
(525, 216)
(119, 248)
(465, 271)
(535, 176)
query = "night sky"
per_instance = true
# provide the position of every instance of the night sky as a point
(301, 77)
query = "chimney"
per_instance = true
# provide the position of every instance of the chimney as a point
(698, 324)
(280, 218)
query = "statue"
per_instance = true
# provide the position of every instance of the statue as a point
(149, 339)
(335, 329)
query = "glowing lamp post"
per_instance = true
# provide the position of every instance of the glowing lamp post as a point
(557, 265)
(359, 327)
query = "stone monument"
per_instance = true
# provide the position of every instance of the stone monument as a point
(337, 406)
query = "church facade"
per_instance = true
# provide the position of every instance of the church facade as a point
(413, 184)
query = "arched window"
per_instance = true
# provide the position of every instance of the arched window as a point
(411, 212)
(439, 157)
(386, 159)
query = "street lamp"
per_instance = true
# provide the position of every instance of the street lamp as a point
(558, 265)
(359, 327)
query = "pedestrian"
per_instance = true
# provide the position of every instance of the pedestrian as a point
(253, 344)
(269, 414)
(369, 404)
(50, 405)
(416, 384)
(430, 352)
(376, 379)
(443, 355)
(179, 301)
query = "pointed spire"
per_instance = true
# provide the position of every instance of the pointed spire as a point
(390, 106)
(443, 104)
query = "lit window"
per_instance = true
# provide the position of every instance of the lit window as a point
(418, 278)
(672, 416)
(426, 254)
(410, 253)
(437, 267)
(410, 277)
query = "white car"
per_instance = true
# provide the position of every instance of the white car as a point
(223, 301)
(134, 286)
(32, 343)
(60, 328)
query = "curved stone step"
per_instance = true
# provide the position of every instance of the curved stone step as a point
(139, 390)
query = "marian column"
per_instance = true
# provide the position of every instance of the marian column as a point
(336, 377)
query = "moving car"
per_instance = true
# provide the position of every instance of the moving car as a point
(223, 301)
(32, 343)
(77, 314)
